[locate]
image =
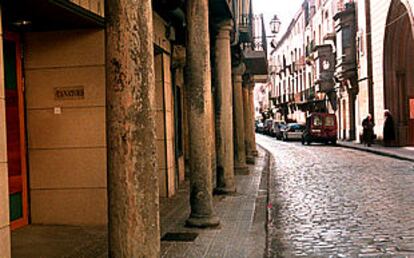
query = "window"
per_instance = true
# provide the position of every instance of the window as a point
(317, 121)
(329, 121)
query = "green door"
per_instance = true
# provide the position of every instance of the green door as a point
(16, 151)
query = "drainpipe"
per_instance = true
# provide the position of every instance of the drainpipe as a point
(369, 58)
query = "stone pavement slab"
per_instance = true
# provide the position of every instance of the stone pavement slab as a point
(60, 241)
(241, 233)
(243, 218)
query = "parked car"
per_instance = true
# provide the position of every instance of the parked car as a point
(259, 127)
(293, 131)
(268, 126)
(277, 129)
(320, 127)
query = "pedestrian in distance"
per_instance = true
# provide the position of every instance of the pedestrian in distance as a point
(368, 130)
(388, 130)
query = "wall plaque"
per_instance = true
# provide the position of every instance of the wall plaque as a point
(69, 93)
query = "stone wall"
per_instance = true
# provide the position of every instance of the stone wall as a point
(379, 13)
(66, 136)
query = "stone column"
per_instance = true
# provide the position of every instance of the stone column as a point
(252, 120)
(199, 115)
(238, 121)
(247, 127)
(134, 229)
(224, 112)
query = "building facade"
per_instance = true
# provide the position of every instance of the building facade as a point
(385, 52)
(101, 111)
(343, 57)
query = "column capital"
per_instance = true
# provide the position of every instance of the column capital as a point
(179, 56)
(223, 29)
(238, 70)
(248, 82)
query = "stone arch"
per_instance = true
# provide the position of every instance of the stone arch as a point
(398, 68)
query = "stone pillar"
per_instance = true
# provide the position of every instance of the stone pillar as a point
(247, 127)
(252, 120)
(134, 229)
(352, 124)
(238, 118)
(199, 115)
(224, 112)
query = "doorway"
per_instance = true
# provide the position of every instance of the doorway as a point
(398, 64)
(15, 123)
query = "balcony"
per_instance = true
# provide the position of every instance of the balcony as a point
(255, 55)
(330, 36)
(346, 67)
(325, 67)
(246, 28)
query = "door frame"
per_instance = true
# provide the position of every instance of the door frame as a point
(11, 36)
(410, 122)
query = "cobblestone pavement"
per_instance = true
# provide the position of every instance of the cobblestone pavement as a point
(335, 202)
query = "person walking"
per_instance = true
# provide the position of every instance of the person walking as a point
(388, 130)
(368, 130)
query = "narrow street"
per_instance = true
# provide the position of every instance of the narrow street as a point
(335, 202)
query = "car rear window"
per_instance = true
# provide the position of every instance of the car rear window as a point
(297, 127)
(329, 121)
(317, 121)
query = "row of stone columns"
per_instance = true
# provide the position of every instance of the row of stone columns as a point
(133, 202)
(240, 166)
(198, 87)
(134, 229)
(224, 113)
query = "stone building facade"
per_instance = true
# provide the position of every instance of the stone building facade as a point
(93, 121)
(385, 55)
(352, 63)
(303, 62)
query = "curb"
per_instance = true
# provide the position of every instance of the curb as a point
(267, 253)
(378, 152)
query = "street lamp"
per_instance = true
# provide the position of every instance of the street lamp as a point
(275, 24)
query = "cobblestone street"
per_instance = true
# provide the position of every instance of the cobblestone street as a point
(334, 202)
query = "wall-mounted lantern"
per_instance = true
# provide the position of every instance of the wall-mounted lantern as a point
(275, 24)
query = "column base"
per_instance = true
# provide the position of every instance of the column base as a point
(224, 190)
(255, 153)
(202, 222)
(250, 160)
(241, 170)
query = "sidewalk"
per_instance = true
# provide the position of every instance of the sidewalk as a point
(243, 218)
(241, 233)
(404, 153)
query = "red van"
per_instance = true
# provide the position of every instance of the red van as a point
(320, 127)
